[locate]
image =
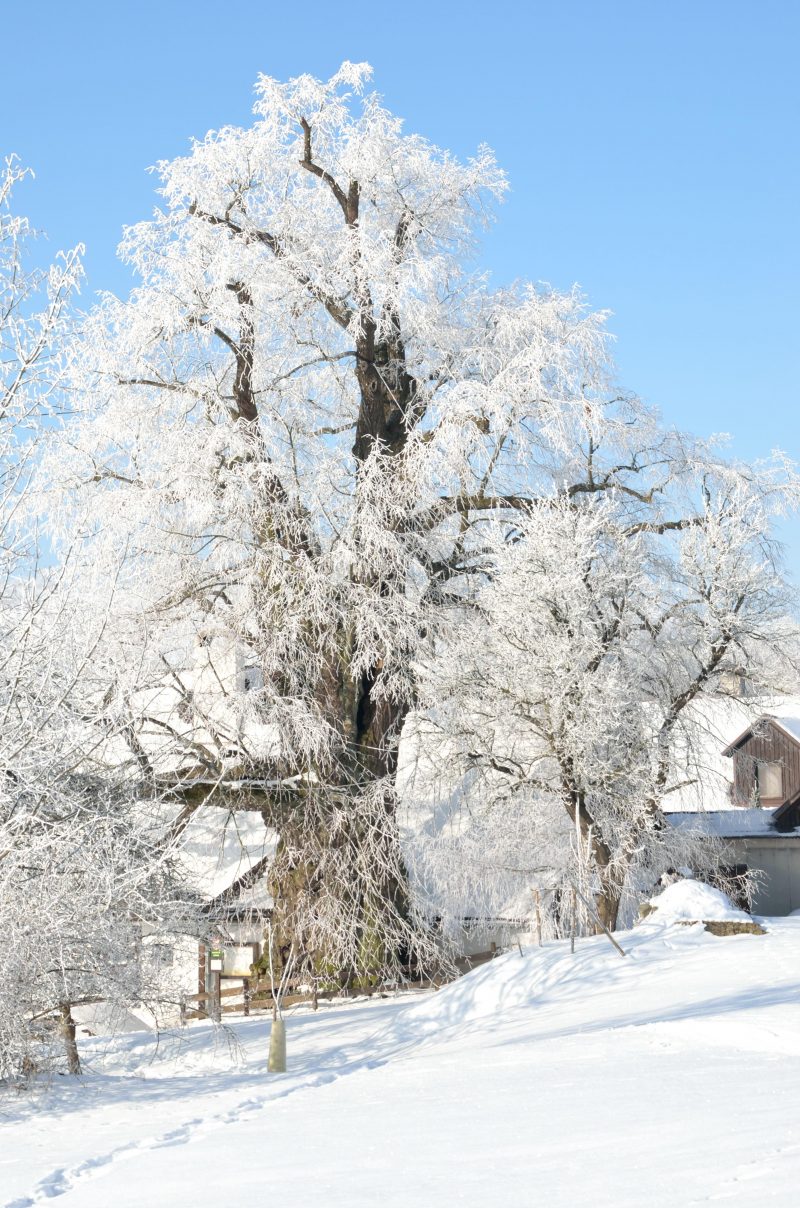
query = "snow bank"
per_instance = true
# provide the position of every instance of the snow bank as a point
(694, 902)
(542, 977)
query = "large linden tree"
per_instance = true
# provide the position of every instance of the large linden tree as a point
(309, 426)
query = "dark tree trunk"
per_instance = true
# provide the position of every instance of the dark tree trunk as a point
(608, 904)
(317, 838)
(67, 1030)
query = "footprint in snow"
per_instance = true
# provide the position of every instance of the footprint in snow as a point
(59, 1182)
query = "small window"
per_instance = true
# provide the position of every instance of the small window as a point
(769, 778)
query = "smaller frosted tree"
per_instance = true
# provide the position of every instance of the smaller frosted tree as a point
(34, 319)
(85, 872)
(571, 697)
(89, 899)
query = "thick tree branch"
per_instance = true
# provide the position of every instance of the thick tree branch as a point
(349, 200)
(665, 526)
(339, 311)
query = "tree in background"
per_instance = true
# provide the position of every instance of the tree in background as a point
(574, 692)
(85, 871)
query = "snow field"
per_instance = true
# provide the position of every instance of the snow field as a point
(665, 1078)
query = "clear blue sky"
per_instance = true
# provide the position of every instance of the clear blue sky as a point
(652, 150)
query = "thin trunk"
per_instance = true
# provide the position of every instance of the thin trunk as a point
(608, 904)
(609, 897)
(67, 1030)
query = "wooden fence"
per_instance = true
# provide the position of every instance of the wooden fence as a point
(257, 996)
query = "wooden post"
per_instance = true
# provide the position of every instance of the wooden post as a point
(537, 901)
(276, 1063)
(216, 1001)
(246, 993)
(574, 920)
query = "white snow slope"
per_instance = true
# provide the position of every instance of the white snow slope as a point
(669, 1077)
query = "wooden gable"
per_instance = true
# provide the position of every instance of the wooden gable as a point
(766, 765)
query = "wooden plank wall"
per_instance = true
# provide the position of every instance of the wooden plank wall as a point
(768, 744)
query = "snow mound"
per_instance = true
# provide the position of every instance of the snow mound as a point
(693, 902)
(554, 978)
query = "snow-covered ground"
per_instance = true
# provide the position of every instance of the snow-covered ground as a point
(669, 1077)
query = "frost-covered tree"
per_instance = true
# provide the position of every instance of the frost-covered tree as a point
(91, 902)
(85, 870)
(33, 326)
(298, 423)
(573, 694)
(307, 425)
(33, 323)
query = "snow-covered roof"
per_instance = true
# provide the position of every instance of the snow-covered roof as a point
(219, 846)
(791, 725)
(731, 823)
